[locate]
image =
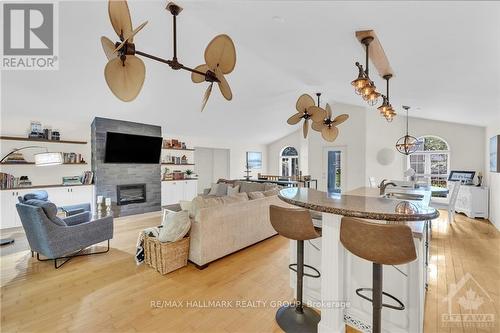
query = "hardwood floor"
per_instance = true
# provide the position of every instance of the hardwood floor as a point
(109, 293)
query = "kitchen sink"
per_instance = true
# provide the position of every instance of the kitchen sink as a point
(403, 196)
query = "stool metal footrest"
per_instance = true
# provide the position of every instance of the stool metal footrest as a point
(318, 274)
(395, 307)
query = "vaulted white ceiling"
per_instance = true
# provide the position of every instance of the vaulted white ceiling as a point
(445, 56)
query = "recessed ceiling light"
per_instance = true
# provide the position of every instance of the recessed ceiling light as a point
(278, 19)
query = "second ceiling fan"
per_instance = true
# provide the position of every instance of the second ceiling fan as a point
(125, 72)
(322, 118)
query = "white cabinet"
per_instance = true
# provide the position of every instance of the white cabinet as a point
(61, 196)
(174, 191)
(472, 201)
(8, 212)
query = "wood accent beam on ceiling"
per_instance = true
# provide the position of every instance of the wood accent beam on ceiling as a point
(376, 52)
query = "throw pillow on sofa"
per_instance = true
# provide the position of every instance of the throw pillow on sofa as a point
(255, 195)
(232, 190)
(218, 190)
(175, 227)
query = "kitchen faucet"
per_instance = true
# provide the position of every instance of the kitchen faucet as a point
(383, 185)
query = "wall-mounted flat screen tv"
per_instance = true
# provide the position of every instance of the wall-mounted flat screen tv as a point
(130, 148)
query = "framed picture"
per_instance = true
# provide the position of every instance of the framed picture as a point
(495, 154)
(465, 177)
(254, 160)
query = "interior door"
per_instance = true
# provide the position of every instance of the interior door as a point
(334, 169)
(211, 165)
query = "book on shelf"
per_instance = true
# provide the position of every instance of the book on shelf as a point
(72, 158)
(8, 181)
(87, 178)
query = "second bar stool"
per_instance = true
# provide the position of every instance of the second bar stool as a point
(296, 224)
(382, 244)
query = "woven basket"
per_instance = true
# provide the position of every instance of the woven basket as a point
(166, 257)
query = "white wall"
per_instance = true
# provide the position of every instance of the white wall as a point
(493, 178)
(294, 139)
(466, 143)
(352, 137)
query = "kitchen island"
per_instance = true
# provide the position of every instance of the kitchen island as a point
(342, 273)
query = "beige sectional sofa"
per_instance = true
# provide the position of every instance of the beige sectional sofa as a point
(221, 226)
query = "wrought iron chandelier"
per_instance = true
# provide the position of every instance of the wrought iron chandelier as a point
(407, 144)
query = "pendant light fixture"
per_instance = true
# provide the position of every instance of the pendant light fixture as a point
(407, 144)
(363, 84)
(386, 109)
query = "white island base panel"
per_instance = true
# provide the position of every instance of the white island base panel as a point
(342, 273)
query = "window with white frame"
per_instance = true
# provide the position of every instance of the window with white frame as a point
(289, 162)
(431, 161)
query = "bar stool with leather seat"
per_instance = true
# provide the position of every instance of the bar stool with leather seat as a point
(296, 224)
(382, 244)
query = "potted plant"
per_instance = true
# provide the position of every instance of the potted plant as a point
(189, 173)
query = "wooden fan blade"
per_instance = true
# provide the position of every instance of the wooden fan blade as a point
(317, 126)
(294, 119)
(130, 37)
(329, 133)
(221, 53)
(198, 78)
(206, 96)
(108, 47)
(119, 16)
(305, 127)
(223, 85)
(340, 119)
(304, 102)
(125, 81)
(328, 111)
(317, 114)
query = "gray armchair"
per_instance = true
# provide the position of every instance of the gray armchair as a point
(61, 238)
(43, 195)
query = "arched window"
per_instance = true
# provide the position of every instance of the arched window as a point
(289, 162)
(431, 161)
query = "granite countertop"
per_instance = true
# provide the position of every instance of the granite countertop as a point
(363, 203)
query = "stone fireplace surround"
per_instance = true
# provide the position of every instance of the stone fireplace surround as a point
(107, 176)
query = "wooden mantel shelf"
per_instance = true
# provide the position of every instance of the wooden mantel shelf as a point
(18, 138)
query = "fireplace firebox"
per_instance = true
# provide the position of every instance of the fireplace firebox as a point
(131, 193)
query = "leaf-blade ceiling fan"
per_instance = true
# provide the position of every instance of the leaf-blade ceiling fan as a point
(306, 109)
(328, 126)
(125, 72)
(220, 58)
